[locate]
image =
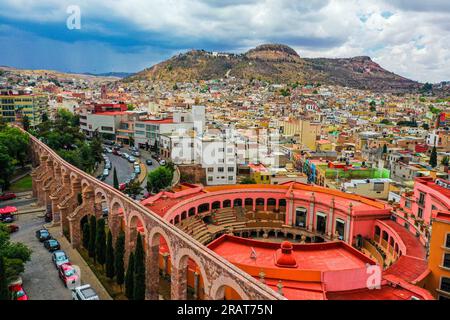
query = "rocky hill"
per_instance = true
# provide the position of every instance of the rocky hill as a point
(280, 64)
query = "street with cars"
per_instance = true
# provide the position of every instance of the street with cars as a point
(126, 161)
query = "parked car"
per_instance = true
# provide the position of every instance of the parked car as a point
(122, 186)
(108, 165)
(108, 150)
(59, 257)
(125, 155)
(43, 235)
(68, 274)
(52, 245)
(13, 228)
(133, 176)
(162, 162)
(109, 142)
(7, 196)
(115, 152)
(137, 169)
(7, 218)
(149, 162)
(105, 172)
(131, 159)
(134, 149)
(127, 182)
(136, 154)
(84, 293)
(17, 292)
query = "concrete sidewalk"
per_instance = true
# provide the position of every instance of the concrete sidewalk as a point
(87, 275)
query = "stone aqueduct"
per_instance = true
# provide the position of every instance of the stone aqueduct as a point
(58, 184)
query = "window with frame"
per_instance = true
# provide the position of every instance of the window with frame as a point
(422, 198)
(220, 169)
(210, 178)
(445, 284)
(378, 186)
(447, 241)
(446, 263)
(230, 169)
(420, 213)
(407, 204)
(210, 169)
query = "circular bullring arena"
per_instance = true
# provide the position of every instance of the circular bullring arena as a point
(303, 241)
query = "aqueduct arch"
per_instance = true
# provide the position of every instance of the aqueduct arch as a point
(58, 183)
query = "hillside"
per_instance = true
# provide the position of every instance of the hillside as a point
(280, 64)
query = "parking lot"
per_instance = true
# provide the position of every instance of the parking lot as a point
(40, 279)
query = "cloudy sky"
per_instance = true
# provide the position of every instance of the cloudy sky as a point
(409, 37)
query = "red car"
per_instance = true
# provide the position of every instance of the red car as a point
(7, 196)
(68, 274)
(13, 228)
(122, 186)
(18, 292)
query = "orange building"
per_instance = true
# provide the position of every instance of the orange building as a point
(438, 282)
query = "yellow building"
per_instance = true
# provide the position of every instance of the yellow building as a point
(306, 131)
(324, 145)
(259, 173)
(438, 282)
(13, 107)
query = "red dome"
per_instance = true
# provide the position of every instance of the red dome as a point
(285, 258)
(286, 245)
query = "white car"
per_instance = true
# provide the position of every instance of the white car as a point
(84, 292)
(162, 162)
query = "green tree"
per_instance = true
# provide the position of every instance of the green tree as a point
(133, 188)
(17, 143)
(26, 123)
(6, 168)
(119, 259)
(109, 256)
(100, 242)
(115, 180)
(4, 292)
(86, 236)
(44, 117)
(15, 254)
(139, 270)
(129, 278)
(159, 178)
(248, 180)
(433, 157)
(92, 236)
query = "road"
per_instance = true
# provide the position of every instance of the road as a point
(40, 279)
(124, 168)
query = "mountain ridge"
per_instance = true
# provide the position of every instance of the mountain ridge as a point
(280, 64)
